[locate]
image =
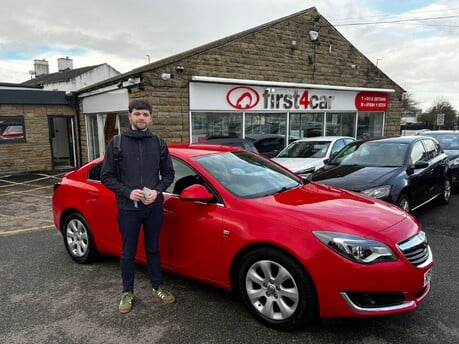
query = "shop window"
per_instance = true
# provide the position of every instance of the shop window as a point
(12, 129)
(101, 128)
(370, 124)
(260, 123)
(306, 124)
(205, 125)
(340, 124)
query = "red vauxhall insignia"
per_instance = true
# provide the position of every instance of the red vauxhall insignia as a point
(292, 249)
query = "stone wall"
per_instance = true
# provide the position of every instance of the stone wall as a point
(265, 53)
(35, 153)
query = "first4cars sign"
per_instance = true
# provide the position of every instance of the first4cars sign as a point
(215, 96)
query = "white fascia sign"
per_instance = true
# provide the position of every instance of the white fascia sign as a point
(220, 96)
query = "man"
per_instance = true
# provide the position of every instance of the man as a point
(138, 169)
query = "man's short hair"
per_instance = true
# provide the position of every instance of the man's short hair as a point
(140, 104)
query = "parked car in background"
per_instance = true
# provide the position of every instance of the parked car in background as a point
(292, 249)
(232, 141)
(306, 155)
(408, 171)
(269, 144)
(449, 141)
(12, 132)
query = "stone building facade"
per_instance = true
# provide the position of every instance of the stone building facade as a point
(29, 120)
(282, 53)
(301, 54)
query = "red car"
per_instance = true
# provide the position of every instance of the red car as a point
(292, 249)
(12, 132)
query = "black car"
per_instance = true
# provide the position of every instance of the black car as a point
(408, 171)
(449, 141)
(269, 144)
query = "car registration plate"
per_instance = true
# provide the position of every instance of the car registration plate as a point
(427, 277)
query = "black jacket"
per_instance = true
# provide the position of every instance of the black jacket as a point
(144, 162)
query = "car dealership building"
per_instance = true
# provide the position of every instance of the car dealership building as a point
(296, 77)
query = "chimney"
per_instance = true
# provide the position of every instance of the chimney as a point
(40, 67)
(64, 64)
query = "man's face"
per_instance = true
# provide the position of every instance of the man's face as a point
(140, 119)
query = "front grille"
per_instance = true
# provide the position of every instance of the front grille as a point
(416, 249)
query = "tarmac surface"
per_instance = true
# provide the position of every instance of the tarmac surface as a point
(48, 298)
(25, 201)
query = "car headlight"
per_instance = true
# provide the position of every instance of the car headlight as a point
(379, 192)
(454, 162)
(356, 248)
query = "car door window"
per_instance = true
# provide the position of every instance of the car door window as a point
(431, 150)
(418, 152)
(337, 146)
(94, 173)
(184, 177)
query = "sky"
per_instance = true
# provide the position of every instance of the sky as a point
(416, 43)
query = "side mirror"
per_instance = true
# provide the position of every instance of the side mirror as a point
(196, 192)
(421, 164)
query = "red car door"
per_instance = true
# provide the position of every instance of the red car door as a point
(191, 238)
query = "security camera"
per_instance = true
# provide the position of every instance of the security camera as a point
(314, 35)
(167, 76)
(179, 69)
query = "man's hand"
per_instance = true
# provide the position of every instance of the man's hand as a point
(136, 195)
(149, 196)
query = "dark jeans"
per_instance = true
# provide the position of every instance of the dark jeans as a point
(130, 223)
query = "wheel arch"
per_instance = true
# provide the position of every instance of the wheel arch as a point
(237, 261)
(73, 211)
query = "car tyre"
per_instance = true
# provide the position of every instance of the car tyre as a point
(78, 239)
(404, 202)
(276, 289)
(445, 195)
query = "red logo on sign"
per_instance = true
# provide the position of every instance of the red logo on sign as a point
(371, 101)
(242, 97)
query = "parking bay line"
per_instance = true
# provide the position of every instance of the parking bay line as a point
(23, 230)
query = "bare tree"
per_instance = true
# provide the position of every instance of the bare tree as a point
(409, 104)
(444, 107)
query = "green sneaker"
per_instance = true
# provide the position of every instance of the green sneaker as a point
(163, 295)
(126, 302)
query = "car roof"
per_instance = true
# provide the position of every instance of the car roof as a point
(225, 139)
(429, 132)
(395, 139)
(199, 149)
(323, 138)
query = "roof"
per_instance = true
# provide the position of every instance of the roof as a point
(195, 51)
(198, 149)
(394, 139)
(323, 138)
(206, 47)
(62, 76)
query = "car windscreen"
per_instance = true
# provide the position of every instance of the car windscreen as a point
(248, 175)
(372, 153)
(447, 141)
(305, 149)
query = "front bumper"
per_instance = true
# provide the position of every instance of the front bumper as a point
(347, 289)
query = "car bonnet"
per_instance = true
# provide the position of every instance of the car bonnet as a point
(298, 164)
(320, 207)
(355, 177)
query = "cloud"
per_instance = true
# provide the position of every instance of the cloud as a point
(421, 56)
